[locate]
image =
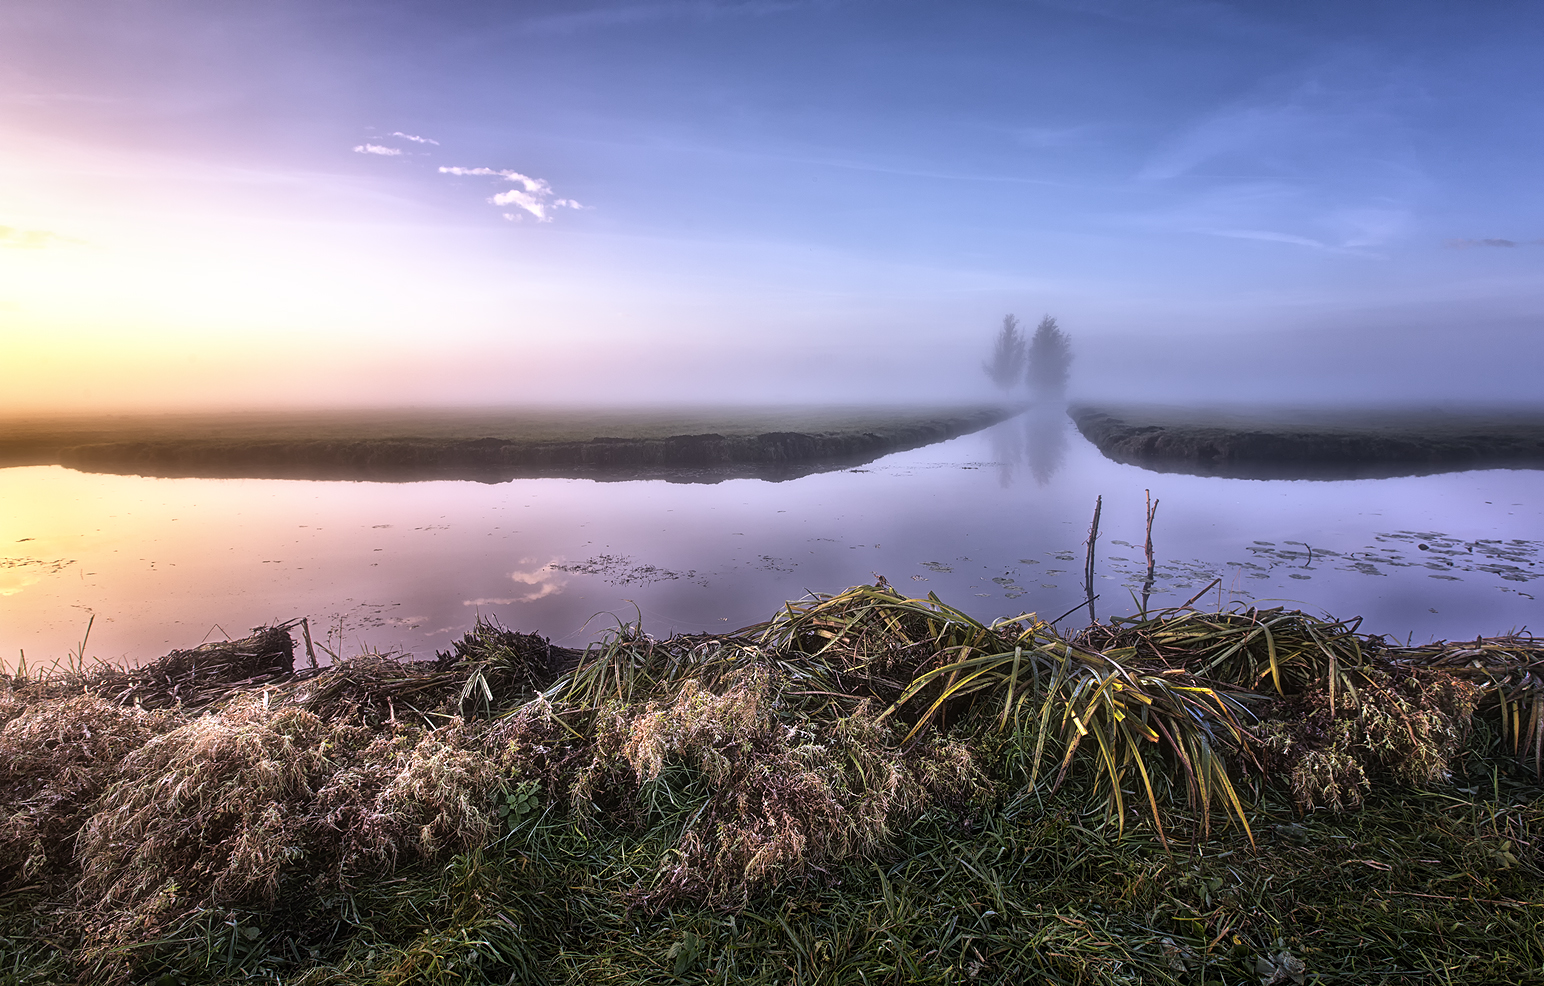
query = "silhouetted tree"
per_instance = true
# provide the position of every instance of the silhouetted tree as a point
(1007, 363)
(1050, 360)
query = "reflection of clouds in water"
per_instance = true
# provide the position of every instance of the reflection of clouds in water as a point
(18, 573)
(543, 581)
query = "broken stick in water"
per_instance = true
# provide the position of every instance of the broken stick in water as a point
(1088, 566)
(1147, 586)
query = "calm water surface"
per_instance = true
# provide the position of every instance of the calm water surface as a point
(992, 522)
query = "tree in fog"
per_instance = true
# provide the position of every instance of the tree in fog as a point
(1006, 366)
(1050, 360)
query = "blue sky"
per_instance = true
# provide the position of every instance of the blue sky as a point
(388, 202)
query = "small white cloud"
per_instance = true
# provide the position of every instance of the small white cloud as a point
(524, 200)
(415, 139)
(534, 195)
(377, 149)
(530, 184)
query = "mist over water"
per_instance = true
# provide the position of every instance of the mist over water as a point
(994, 523)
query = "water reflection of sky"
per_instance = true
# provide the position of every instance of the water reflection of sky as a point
(993, 523)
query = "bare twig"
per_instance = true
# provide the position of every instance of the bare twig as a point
(1086, 602)
(1088, 566)
(1147, 586)
(305, 628)
(1203, 592)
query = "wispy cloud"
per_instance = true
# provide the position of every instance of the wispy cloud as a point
(377, 149)
(1490, 242)
(1359, 230)
(1285, 213)
(1318, 158)
(415, 139)
(1346, 110)
(1267, 236)
(1049, 138)
(33, 239)
(639, 13)
(534, 195)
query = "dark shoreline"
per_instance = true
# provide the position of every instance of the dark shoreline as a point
(492, 450)
(1320, 444)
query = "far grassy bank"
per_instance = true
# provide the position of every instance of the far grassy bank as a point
(864, 789)
(492, 445)
(1314, 443)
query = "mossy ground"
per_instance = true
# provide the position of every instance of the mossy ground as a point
(852, 792)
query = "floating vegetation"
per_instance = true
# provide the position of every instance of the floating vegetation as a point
(865, 788)
(1509, 565)
(623, 570)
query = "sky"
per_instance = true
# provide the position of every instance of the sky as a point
(388, 202)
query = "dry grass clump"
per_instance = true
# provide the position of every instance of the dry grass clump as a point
(189, 680)
(1339, 709)
(512, 666)
(56, 757)
(775, 794)
(373, 689)
(232, 807)
(874, 642)
(1407, 731)
(414, 793)
(488, 669)
(1510, 671)
(758, 765)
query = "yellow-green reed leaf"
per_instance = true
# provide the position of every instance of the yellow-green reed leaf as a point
(1147, 784)
(1046, 705)
(1117, 799)
(1147, 732)
(1270, 653)
(1013, 680)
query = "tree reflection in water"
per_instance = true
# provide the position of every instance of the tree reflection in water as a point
(1045, 440)
(1036, 439)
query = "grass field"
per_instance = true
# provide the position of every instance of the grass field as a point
(864, 789)
(402, 444)
(1314, 442)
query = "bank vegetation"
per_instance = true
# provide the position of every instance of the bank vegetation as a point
(866, 788)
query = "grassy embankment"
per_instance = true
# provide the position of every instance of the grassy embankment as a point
(864, 789)
(688, 445)
(1304, 443)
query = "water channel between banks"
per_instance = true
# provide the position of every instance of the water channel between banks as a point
(993, 522)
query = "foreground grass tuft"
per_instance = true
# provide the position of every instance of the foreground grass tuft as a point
(866, 788)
